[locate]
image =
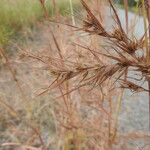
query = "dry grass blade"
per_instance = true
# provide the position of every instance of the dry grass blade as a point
(20, 145)
(117, 18)
(91, 24)
(133, 87)
(126, 14)
(57, 45)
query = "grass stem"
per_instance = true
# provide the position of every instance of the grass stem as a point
(72, 12)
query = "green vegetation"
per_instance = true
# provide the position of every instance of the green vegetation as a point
(131, 3)
(133, 9)
(18, 14)
(14, 15)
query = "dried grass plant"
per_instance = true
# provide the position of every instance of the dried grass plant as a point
(88, 114)
(89, 76)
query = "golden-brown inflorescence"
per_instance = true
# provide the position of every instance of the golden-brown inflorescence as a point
(126, 49)
(123, 53)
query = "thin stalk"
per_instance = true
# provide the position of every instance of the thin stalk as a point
(44, 8)
(149, 102)
(110, 125)
(54, 7)
(145, 28)
(118, 109)
(148, 15)
(126, 13)
(72, 12)
(148, 50)
(120, 98)
(147, 54)
(146, 9)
